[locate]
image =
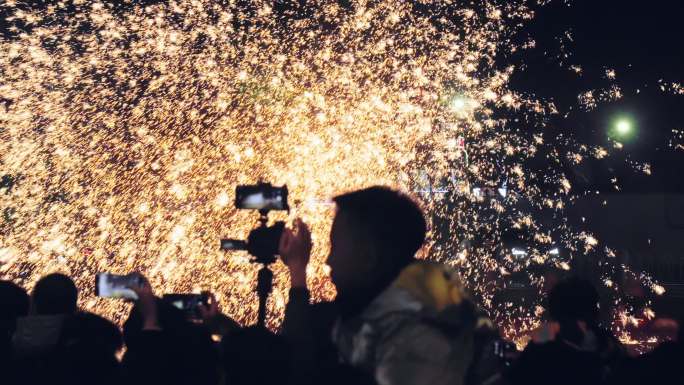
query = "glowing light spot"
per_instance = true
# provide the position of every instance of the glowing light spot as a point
(624, 127)
(458, 104)
(222, 200)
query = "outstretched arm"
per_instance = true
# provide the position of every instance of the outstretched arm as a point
(295, 251)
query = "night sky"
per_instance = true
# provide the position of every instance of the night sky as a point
(642, 42)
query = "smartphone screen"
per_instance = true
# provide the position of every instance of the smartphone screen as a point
(261, 197)
(116, 286)
(233, 244)
(187, 303)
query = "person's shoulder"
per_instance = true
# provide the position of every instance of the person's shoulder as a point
(419, 338)
(418, 352)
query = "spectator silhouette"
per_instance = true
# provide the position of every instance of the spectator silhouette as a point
(164, 348)
(54, 294)
(53, 299)
(396, 319)
(660, 366)
(86, 351)
(581, 352)
(14, 302)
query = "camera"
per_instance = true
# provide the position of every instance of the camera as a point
(262, 197)
(262, 242)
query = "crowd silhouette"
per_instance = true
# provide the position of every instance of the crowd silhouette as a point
(396, 320)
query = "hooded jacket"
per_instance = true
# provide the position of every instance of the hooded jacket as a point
(423, 329)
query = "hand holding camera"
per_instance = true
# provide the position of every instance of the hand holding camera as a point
(295, 251)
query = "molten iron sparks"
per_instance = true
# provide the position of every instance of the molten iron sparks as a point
(125, 129)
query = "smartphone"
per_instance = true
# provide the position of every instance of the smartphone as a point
(188, 303)
(109, 285)
(233, 244)
(262, 196)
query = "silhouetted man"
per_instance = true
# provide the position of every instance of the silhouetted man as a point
(53, 299)
(396, 319)
(581, 352)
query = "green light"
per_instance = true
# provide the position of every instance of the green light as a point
(623, 127)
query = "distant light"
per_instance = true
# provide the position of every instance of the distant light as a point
(623, 127)
(458, 104)
(518, 252)
(554, 251)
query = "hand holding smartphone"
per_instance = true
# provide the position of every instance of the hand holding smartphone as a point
(188, 303)
(109, 285)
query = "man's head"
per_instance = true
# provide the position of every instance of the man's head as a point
(14, 301)
(55, 294)
(375, 234)
(572, 300)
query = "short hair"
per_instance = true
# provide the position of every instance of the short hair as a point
(55, 294)
(392, 221)
(574, 299)
(14, 301)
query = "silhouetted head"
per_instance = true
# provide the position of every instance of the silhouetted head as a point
(14, 301)
(55, 294)
(86, 351)
(572, 300)
(375, 234)
(90, 332)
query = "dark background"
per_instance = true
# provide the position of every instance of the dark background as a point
(642, 42)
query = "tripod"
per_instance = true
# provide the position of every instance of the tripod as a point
(264, 285)
(262, 244)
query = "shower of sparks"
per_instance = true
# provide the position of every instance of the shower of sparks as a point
(125, 129)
